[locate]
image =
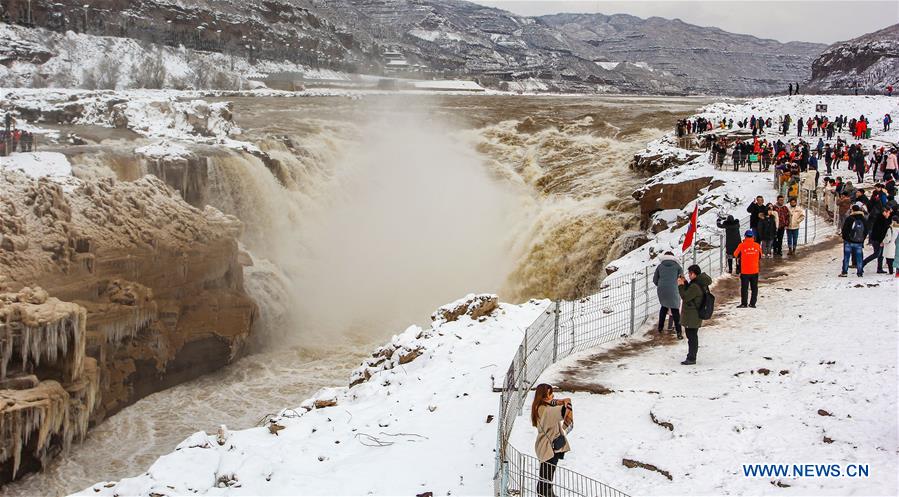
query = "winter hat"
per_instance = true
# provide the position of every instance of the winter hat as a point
(749, 234)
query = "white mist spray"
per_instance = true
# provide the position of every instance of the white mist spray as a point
(405, 219)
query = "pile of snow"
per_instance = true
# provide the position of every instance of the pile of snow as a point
(781, 384)
(426, 422)
(38, 164)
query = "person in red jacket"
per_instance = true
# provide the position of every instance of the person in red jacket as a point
(749, 253)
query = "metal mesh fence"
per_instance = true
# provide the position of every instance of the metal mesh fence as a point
(527, 479)
(623, 304)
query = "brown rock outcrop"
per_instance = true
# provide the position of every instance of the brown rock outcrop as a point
(187, 173)
(662, 196)
(49, 387)
(158, 285)
(475, 306)
(654, 163)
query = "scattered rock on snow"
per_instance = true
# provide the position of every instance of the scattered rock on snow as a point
(663, 424)
(822, 412)
(630, 463)
(475, 306)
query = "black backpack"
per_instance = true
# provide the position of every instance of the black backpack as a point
(707, 307)
(857, 231)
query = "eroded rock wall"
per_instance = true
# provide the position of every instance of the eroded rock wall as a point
(156, 285)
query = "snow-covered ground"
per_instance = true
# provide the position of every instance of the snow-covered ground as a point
(809, 377)
(422, 426)
(38, 164)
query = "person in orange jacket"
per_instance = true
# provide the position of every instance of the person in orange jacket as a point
(749, 252)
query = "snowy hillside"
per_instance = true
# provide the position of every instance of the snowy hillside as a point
(869, 63)
(37, 58)
(432, 39)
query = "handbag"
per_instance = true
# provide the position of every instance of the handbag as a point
(560, 441)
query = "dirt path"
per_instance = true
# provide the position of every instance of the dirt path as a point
(727, 292)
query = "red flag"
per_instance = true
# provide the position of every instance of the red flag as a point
(688, 240)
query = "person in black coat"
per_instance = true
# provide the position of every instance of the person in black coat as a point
(754, 209)
(766, 231)
(731, 229)
(879, 226)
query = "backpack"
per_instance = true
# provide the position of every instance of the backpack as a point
(708, 303)
(857, 231)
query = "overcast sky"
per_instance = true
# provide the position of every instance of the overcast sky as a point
(822, 21)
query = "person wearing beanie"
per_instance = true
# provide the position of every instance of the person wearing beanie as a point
(692, 293)
(749, 253)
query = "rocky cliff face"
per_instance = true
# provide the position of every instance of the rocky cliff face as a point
(441, 38)
(868, 63)
(699, 59)
(134, 291)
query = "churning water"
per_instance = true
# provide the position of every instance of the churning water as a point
(375, 212)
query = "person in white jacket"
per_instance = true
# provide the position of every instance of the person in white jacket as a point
(889, 244)
(797, 216)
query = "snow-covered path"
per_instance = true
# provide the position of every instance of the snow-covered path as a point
(809, 377)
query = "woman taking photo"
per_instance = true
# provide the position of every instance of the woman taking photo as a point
(553, 418)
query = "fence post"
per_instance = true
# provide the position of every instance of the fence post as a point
(633, 302)
(721, 249)
(817, 213)
(805, 242)
(523, 377)
(556, 332)
(645, 292)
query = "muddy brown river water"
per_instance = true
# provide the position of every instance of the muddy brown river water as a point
(384, 208)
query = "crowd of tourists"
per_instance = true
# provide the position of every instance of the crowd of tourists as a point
(863, 216)
(16, 140)
(824, 150)
(13, 139)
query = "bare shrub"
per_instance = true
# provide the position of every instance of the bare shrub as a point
(151, 72)
(103, 76)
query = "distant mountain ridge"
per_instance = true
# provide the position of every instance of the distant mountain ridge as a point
(454, 38)
(869, 63)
